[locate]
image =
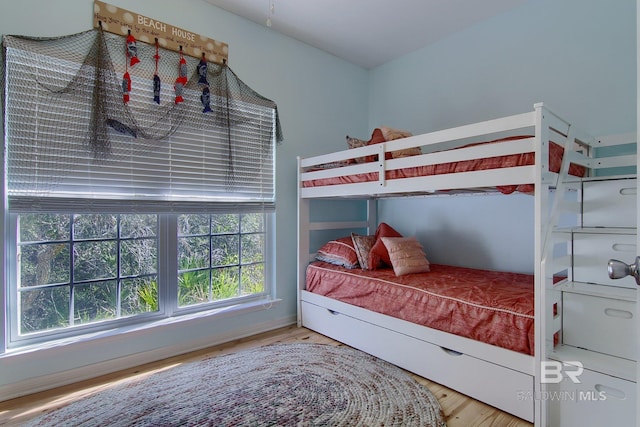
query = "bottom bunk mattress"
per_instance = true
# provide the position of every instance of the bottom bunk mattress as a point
(489, 306)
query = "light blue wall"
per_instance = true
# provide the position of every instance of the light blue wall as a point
(577, 56)
(320, 99)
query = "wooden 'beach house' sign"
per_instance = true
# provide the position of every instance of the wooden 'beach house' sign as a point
(120, 21)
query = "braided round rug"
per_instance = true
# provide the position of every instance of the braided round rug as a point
(275, 385)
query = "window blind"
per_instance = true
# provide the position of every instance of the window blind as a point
(213, 162)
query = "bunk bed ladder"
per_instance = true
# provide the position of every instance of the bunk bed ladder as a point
(555, 199)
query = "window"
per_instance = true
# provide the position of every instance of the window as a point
(106, 227)
(220, 257)
(77, 270)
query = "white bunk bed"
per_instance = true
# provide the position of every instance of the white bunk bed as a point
(503, 378)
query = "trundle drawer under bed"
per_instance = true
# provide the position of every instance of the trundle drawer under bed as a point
(486, 381)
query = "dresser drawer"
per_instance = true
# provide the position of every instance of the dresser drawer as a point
(598, 400)
(605, 325)
(592, 252)
(609, 203)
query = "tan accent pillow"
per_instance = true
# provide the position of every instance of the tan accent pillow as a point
(390, 134)
(406, 254)
(363, 245)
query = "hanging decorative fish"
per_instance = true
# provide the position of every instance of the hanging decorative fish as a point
(202, 71)
(178, 88)
(182, 69)
(126, 87)
(156, 78)
(205, 98)
(132, 50)
(181, 81)
(156, 89)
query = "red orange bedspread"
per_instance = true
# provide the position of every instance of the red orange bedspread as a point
(488, 306)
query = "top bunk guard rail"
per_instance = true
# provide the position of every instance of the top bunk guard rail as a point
(535, 128)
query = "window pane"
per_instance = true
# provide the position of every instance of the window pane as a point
(225, 283)
(225, 223)
(253, 279)
(252, 248)
(224, 250)
(193, 252)
(138, 226)
(95, 226)
(138, 257)
(193, 287)
(95, 301)
(252, 223)
(95, 260)
(43, 264)
(42, 309)
(139, 296)
(189, 225)
(41, 227)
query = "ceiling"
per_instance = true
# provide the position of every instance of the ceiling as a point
(367, 32)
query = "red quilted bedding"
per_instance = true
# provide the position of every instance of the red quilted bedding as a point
(488, 306)
(513, 160)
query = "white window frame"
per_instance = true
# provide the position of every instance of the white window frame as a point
(167, 289)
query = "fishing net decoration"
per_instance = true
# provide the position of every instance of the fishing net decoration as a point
(80, 76)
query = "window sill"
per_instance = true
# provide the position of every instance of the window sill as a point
(141, 328)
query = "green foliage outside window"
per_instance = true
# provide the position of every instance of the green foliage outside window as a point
(79, 269)
(209, 252)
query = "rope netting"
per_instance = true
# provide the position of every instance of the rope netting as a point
(70, 93)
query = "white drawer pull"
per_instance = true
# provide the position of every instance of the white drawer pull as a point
(333, 312)
(622, 314)
(610, 391)
(629, 191)
(623, 247)
(451, 352)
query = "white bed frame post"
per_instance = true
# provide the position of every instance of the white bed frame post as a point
(540, 224)
(303, 241)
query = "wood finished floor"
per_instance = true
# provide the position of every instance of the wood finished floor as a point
(460, 410)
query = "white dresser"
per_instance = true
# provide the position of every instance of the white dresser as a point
(598, 315)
